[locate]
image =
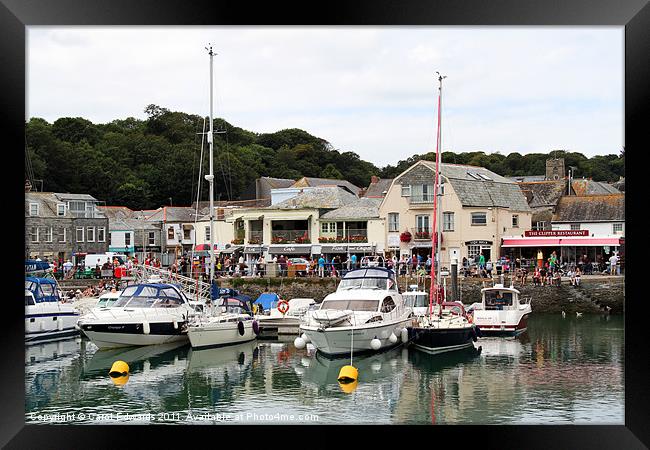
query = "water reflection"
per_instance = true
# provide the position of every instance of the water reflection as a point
(560, 371)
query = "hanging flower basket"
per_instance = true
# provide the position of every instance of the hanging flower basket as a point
(405, 237)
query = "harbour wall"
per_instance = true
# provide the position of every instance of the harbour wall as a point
(593, 296)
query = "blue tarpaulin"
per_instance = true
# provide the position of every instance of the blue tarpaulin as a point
(266, 300)
(31, 265)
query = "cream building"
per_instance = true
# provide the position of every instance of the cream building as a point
(477, 207)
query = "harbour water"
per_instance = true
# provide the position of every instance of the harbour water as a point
(560, 371)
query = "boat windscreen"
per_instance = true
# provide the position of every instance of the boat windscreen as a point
(416, 300)
(366, 283)
(354, 305)
(498, 298)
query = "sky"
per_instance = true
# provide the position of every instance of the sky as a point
(370, 90)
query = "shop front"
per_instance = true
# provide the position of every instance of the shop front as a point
(291, 250)
(476, 247)
(573, 247)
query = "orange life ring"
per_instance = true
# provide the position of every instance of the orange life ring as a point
(283, 306)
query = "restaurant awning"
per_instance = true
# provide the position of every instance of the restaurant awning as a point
(232, 249)
(561, 242)
(290, 249)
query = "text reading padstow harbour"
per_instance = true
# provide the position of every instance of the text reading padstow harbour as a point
(169, 417)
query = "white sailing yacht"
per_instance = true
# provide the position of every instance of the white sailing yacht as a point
(446, 326)
(219, 325)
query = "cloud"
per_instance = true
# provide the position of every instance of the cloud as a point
(371, 90)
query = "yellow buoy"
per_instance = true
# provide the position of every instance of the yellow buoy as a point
(348, 374)
(121, 380)
(348, 387)
(119, 369)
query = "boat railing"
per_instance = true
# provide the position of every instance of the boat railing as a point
(194, 289)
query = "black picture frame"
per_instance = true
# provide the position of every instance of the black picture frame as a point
(634, 15)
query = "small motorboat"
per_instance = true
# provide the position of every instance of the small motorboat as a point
(144, 314)
(276, 322)
(501, 311)
(46, 316)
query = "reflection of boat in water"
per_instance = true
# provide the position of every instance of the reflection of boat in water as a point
(51, 355)
(444, 360)
(135, 357)
(214, 359)
(508, 347)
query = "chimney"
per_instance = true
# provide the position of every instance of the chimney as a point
(374, 179)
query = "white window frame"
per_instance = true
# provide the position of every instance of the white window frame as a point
(151, 238)
(448, 221)
(393, 225)
(90, 237)
(208, 237)
(575, 226)
(65, 235)
(31, 205)
(77, 229)
(33, 235)
(423, 223)
(476, 215)
(170, 230)
(515, 221)
(617, 228)
(472, 252)
(127, 239)
(406, 190)
(540, 225)
(101, 234)
(48, 234)
(58, 209)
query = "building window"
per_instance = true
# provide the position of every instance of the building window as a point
(170, 233)
(33, 233)
(422, 224)
(90, 234)
(406, 190)
(617, 228)
(479, 218)
(515, 221)
(152, 238)
(187, 233)
(80, 234)
(539, 226)
(473, 251)
(60, 209)
(63, 235)
(328, 227)
(77, 208)
(101, 234)
(447, 221)
(422, 193)
(127, 239)
(33, 209)
(48, 234)
(207, 234)
(393, 221)
(575, 226)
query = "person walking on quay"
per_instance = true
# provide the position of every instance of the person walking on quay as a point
(488, 268)
(612, 264)
(481, 262)
(353, 260)
(321, 266)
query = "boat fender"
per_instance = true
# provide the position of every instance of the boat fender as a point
(42, 325)
(240, 328)
(146, 329)
(404, 335)
(299, 343)
(175, 325)
(375, 344)
(306, 338)
(59, 324)
(256, 327)
(392, 338)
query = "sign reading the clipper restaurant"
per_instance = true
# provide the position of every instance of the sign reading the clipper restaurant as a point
(556, 233)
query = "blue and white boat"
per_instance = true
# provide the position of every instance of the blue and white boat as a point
(46, 316)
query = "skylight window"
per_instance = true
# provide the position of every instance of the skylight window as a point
(485, 177)
(473, 175)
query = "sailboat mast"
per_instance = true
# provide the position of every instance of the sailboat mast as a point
(435, 263)
(210, 177)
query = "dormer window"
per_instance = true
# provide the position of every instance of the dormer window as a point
(60, 209)
(406, 190)
(33, 209)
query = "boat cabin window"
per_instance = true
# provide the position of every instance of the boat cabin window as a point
(29, 300)
(354, 305)
(454, 309)
(497, 299)
(417, 301)
(148, 296)
(388, 305)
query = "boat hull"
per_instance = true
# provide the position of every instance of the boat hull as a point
(49, 321)
(220, 334)
(336, 341)
(490, 328)
(441, 340)
(115, 335)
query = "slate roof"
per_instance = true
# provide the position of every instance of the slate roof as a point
(363, 208)
(528, 178)
(48, 201)
(378, 189)
(314, 182)
(543, 193)
(475, 191)
(590, 208)
(276, 183)
(330, 197)
(590, 187)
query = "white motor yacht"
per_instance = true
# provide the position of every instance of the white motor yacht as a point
(144, 314)
(366, 313)
(501, 311)
(46, 317)
(229, 323)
